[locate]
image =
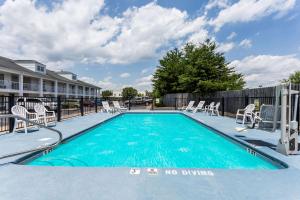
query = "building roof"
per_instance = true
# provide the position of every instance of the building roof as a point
(28, 61)
(88, 84)
(10, 64)
(56, 75)
(65, 72)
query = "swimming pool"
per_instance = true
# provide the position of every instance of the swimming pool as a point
(153, 140)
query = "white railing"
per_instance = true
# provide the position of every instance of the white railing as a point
(30, 87)
(9, 85)
(80, 92)
(62, 89)
(48, 88)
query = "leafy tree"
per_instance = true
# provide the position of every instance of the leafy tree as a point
(107, 93)
(148, 93)
(295, 78)
(195, 68)
(129, 93)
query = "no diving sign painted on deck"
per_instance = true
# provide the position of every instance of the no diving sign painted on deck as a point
(171, 172)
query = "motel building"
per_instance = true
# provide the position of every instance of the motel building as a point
(30, 78)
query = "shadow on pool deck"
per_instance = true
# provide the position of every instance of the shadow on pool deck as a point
(29, 182)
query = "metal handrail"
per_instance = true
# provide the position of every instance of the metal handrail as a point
(60, 137)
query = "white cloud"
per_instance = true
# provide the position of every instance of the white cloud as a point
(125, 75)
(231, 36)
(105, 84)
(144, 83)
(198, 37)
(251, 10)
(246, 43)
(266, 69)
(215, 4)
(77, 31)
(144, 71)
(143, 32)
(225, 47)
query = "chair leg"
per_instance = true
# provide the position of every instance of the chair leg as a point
(45, 120)
(25, 127)
(15, 125)
(244, 117)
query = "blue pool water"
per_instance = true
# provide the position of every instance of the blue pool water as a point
(152, 140)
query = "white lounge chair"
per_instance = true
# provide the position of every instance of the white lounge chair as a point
(207, 107)
(23, 112)
(214, 109)
(44, 114)
(118, 107)
(107, 108)
(190, 106)
(199, 107)
(245, 113)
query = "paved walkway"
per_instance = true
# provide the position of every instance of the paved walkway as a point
(10, 143)
(228, 126)
(60, 183)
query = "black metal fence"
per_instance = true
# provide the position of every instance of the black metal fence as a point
(131, 104)
(230, 101)
(64, 108)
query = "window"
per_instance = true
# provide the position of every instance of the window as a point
(2, 81)
(40, 68)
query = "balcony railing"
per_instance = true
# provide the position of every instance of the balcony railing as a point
(62, 89)
(30, 87)
(48, 88)
(10, 85)
(72, 91)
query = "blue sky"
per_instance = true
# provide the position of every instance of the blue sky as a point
(118, 43)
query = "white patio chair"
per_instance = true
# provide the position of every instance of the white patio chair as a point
(245, 113)
(107, 108)
(207, 107)
(44, 114)
(118, 107)
(215, 109)
(190, 106)
(23, 112)
(199, 107)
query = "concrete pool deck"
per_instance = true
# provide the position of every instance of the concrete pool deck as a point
(32, 182)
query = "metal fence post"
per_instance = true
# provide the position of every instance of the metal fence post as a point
(246, 100)
(96, 105)
(298, 114)
(129, 104)
(223, 106)
(81, 106)
(175, 103)
(11, 103)
(152, 106)
(58, 108)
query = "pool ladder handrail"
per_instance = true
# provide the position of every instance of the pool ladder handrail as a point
(39, 148)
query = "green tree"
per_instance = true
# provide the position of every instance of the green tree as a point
(195, 68)
(295, 77)
(148, 93)
(129, 93)
(166, 78)
(107, 93)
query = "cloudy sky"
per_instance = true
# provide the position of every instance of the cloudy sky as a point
(117, 43)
